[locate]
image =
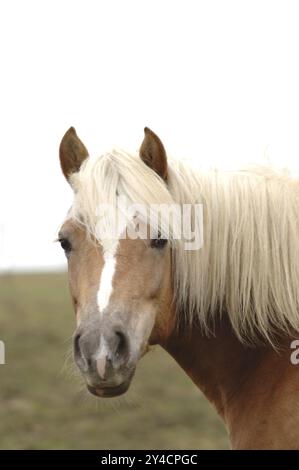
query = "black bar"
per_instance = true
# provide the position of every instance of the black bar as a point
(140, 458)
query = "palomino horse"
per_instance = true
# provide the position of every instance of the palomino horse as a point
(227, 312)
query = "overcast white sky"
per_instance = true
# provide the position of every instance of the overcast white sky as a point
(217, 80)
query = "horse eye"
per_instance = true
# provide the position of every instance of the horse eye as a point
(158, 243)
(65, 244)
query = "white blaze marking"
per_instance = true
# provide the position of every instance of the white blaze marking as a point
(103, 298)
(101, 358)
(106, 281)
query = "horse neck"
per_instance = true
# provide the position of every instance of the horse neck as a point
(252, 388)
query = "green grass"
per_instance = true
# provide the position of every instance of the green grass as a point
(43, 404)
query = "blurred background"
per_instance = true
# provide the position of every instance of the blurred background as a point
(44, 404)
(218, 82)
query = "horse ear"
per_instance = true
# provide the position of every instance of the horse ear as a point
(72, 153)
(153, 154)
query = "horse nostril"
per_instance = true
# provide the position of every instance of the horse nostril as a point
(77, 350)
(121, 348)
(82, 361)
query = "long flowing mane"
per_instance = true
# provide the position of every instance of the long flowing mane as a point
(248, 266)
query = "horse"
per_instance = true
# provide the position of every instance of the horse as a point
(226, 311)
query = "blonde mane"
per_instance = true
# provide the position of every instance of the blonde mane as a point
(248, 266)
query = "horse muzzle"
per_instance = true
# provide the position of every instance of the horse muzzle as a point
(103, 358)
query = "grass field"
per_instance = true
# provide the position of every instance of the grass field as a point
(43, 404)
